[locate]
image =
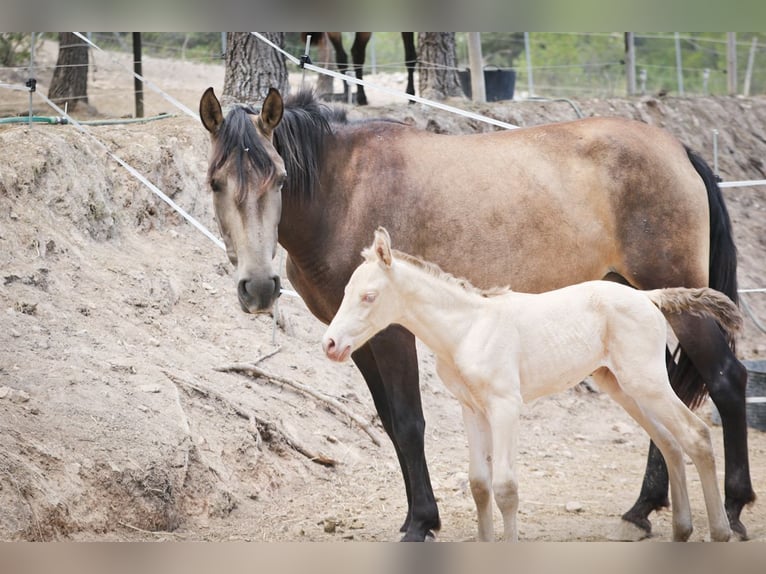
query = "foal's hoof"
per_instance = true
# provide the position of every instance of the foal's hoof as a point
(628, 532)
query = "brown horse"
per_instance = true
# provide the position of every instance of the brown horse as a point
(358, 52)
(536, 208)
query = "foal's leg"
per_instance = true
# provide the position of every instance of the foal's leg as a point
(504, 414)
(671, 450)
(389, 365)
(694, 436)
(479, 437)
(726, 379)
(480, 470)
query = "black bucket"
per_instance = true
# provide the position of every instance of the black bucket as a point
(498, 83)
(755, 396)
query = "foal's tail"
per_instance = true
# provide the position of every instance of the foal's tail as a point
(701, 302)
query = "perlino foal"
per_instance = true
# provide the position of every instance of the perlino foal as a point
(497, 349)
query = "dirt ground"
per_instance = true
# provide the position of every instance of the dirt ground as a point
(117, 423)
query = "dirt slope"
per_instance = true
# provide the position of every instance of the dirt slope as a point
(115, 423)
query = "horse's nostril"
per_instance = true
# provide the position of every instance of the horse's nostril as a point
(242, 289)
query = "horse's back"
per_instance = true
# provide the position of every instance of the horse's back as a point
(580, 199)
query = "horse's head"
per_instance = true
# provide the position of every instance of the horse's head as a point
(245, 175)
(369, 301)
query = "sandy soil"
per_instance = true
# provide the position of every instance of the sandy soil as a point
(117, 424)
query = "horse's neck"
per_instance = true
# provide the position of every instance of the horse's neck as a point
(436, 312)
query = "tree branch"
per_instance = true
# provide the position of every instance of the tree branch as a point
(255, 371)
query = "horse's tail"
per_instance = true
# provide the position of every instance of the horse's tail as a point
(722, 277)
(701, 302)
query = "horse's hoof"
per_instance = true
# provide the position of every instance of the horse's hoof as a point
(738, 530)
(628, 532)
(429, 536)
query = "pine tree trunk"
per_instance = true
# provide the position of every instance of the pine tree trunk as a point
(437, 65)
(252, 67)
(69, 84)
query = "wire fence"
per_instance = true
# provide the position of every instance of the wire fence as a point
(556, 65)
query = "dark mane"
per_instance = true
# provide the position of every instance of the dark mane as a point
(299, 139)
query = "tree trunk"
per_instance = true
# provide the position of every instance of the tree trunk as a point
(252, 67)
(437, 65)
(70, 78)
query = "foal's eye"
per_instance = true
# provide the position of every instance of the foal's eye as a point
(369, 297)
(215, 185)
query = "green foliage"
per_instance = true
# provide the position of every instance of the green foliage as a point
(586, 65)
(15, 48)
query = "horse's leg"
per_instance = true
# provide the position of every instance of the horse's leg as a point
(324, 82)
(365, 362)
(726, 380)
(504, 415)
(634, 402)
(389, 365)
(479, 470)
(410, 59)
(358, 49)
(341, 57)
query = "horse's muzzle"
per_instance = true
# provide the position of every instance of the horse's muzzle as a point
(258, 296)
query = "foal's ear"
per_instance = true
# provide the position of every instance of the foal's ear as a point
(210, 111)
(271, 112)
(382, 246)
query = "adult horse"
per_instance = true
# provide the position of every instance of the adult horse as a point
(358, 52)
(535, 208)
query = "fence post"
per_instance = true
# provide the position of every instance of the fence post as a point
(731, 62)
(477, 70)
(138, 85)
(530, 81)
(750, 61)
(679, 65)
(630, 62)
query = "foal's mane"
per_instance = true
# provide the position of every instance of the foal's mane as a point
(298, 139)
(434, 270)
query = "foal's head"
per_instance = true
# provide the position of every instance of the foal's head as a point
(246, 174)
(369, 303)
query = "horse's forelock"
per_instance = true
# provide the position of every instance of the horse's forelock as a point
(238, 140)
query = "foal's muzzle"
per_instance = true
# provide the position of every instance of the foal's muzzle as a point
(258, 295)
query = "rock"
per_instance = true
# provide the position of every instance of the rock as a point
(573, 506)
(330, 525)
(150, 388)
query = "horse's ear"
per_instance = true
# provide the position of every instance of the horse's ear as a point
(210, 111)
(271, 112)
(382, 246)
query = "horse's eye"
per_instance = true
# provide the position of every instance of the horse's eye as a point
(215, 185)
(369, 297)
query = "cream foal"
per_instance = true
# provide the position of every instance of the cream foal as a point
(498, 349)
